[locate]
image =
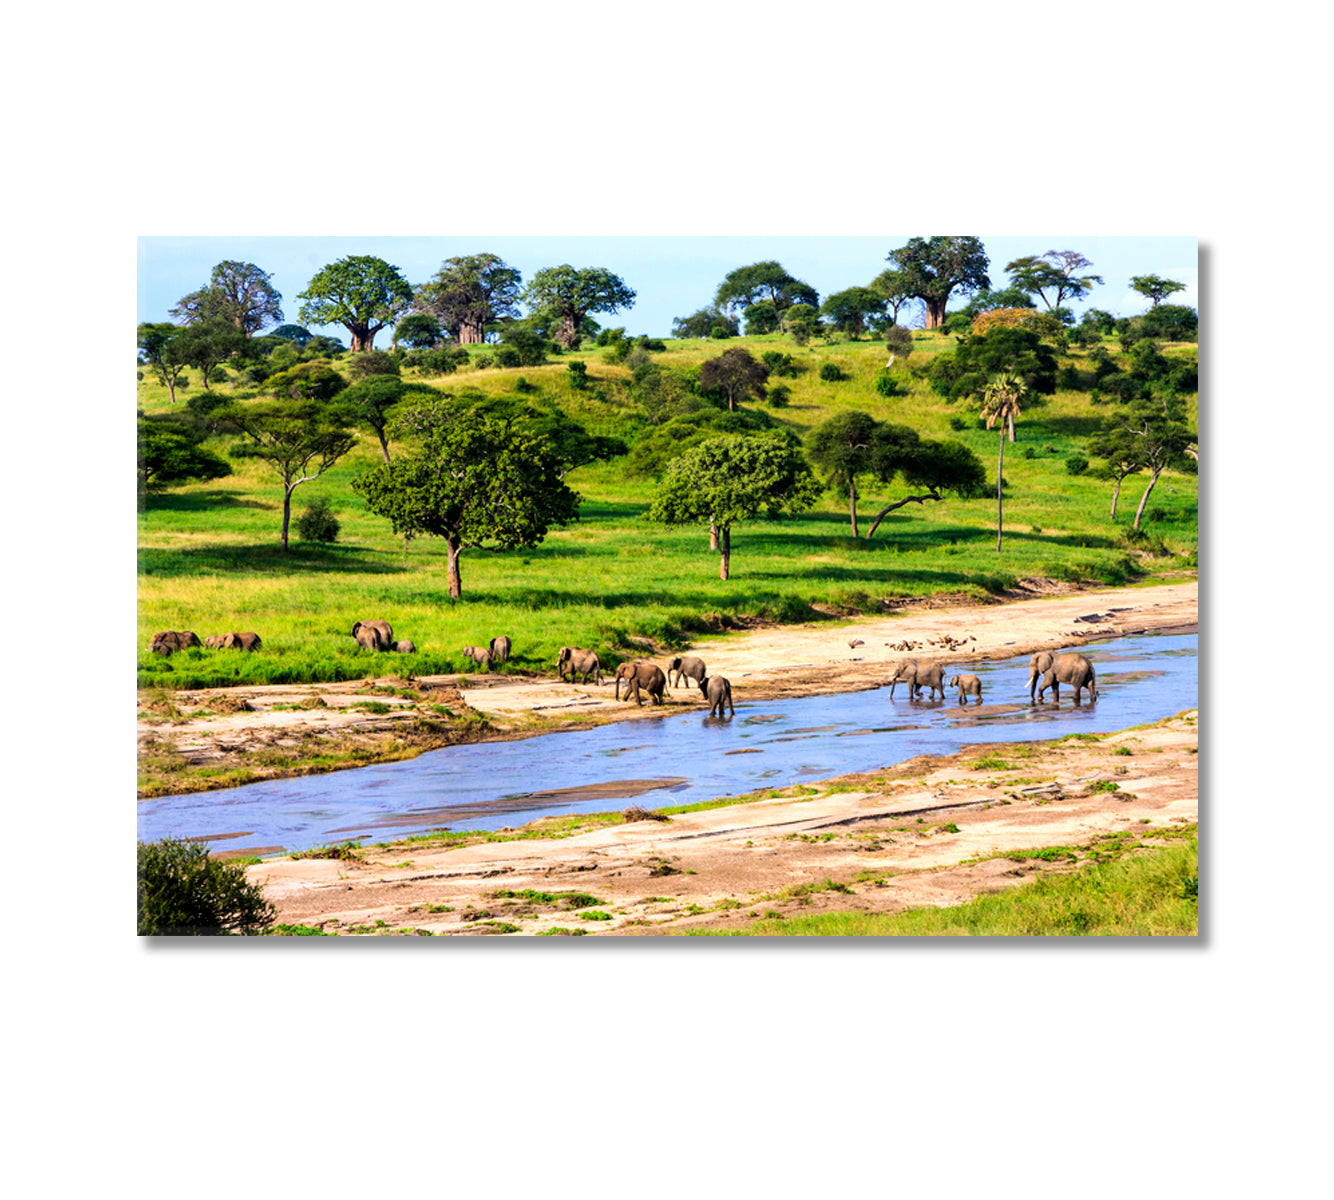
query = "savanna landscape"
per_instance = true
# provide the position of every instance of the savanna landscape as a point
(942, 459)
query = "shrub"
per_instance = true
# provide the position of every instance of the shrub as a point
(721, 331)
(366, 363)
(779, 395)
(578, 374)
(183, 891)
(958, 424)
(1076, 464)
(831, 373)
(317, 522)
(887, 385)
(218, 375)
(778, 364)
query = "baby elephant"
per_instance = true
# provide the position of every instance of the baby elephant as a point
(241, 641)
(500, 649)
(686, 668)
(968, 685)
(481, 657)
(718, 692)
(649, 676)
(405, 647)
(574, 660)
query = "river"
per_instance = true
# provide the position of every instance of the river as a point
(677, 759)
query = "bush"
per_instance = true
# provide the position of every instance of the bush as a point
(779, 395)
(578, 374)
(958, 424)
(183, 891)
(218, 375)
(721, 331)
(1076, 464)
(317, 522)
(366, 363)
(831, 373)
(887, 385)
(778, 364)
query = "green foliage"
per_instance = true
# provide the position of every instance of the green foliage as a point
(292, 333)
(778, 396)
(802, 322)
(469, 294)
(703, 322)
(362, 293)
(1035, 276)
(965, 371)
(745, 286)
(1171, 323)
(420, 331)
(659, 446)
(239, 295)
(184, 891)
(315, 381)
(1076, 464)
(170, 452)
(578, 372)
(849, 311)
(735, 374)
(761, 317)
(1155, 287)
(832, 373)
(931, 269)
(368, 363)
(317, 522)
(898, 341)
(568, 295)
(778, 364)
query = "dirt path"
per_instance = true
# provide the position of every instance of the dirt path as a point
(210, 739)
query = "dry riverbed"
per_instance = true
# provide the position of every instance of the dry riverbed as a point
(195, 741)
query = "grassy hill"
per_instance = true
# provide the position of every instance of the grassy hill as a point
(209, 558)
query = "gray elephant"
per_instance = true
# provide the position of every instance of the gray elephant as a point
(968, 685)
(405, 647)
(648, 676)
(686, 668)
(480, 656)
(576, 661)
(918, 675)
(373, 635)
(718, 692)
(1039, 663)
(170, 641)
(214, 640)
(241, 641)
(500, 649)
(1073, 669)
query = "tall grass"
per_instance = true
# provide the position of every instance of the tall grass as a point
(209, 559)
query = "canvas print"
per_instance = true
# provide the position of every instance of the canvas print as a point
(535, 586)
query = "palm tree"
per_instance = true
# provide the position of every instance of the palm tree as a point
(1001, 400)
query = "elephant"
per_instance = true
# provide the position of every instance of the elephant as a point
(241, 641)
(647, 675)
(916, 674)
(968, 685)
(373, 635)
(718, 692)
(686, 668)
(500, 649)
(481, 657)
(1074, 669)
(1036, 666)
(405, 648)
(214, 640)
(576, 661)
(170, 641)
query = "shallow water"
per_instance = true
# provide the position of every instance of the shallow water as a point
(677, 759)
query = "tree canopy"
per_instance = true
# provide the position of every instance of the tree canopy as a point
(736, 374)
(764, 281)
(1155, 287)
(850, 310)
(567, 296)
(372, 400)
(932, 268)
(703, 323)
(469, 293)
(362, 293)
(1035, 276)
(729, 479)
(238, 293)
(164, 352)
(170, 452)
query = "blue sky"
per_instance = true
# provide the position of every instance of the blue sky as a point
(672, 276)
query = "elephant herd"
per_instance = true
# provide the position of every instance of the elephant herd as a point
(646, 678)
(171, 640)
(1045, 670)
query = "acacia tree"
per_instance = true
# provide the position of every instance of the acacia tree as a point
(730, 479)
(567, 296)
(162, 351)
(296, 437)
(362, 293)
(1158, 425)
(736, 373)
(208, 343)
(371, 402)
(844, 447)
(1155, 287)
(894, 291)
(937, 467)
(476, 482)
(420, 331)
(170, 451)
(848, 310)
(1001, 402)
(469, 293)
(238, 293)
(1121, 448)
(932, 268)
(703, 322)
(1034, 277)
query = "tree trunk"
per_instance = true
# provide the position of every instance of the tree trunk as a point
(724, 550)
(384, 445)
(287, 512)
(1010, 422)
(1144, 499)
(713, 535)
(455, 548)
(852, 504)
(1000, 488)
(472, 333)
(361, 339)
(935, 312)
(1116, 495)
(567, 332)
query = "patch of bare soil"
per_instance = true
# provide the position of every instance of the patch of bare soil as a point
(933, 831)
(245, 733)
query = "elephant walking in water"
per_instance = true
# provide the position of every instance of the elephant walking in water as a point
(1072, 669)
(718, 692)
(917, 675)
(968, 685)
(649, 676)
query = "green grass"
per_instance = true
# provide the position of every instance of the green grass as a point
(209, 558)
(1146, 893)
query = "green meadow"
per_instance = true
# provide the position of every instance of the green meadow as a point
(210, 559)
